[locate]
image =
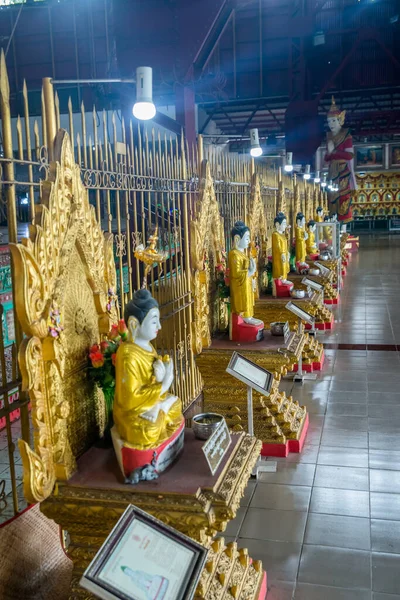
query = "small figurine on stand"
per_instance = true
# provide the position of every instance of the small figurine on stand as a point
(280, 259)
(301, 237)
(340, 157)
(148, 422)
(242, 269)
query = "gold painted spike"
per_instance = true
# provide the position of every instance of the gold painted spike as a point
(44, 126)
(78, 147)
(37, 139)
(71, 124)
(105, 138)
(4, 84)
(90, 153)
(57, 107)
(26, 115)
(19, 139)
(84, 140)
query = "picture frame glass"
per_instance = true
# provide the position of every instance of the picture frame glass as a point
(369, 156)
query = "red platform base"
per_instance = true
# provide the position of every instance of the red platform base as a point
(331, 300)
(319, 326)
(352, 245)
(282, 290)
(313, 257)
(243, 332)
(282, 450)
(264, 588)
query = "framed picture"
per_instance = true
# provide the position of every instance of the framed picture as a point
(395, 155)
(369, 156)
(143, 559)
(249, 373)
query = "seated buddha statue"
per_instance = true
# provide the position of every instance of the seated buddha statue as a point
(241, 277)
(301, 237)
(280, 258)
(311, 245)
(147, 418)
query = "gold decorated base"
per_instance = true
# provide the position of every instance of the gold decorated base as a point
(186, 497)
(276, 419)
(272, 310)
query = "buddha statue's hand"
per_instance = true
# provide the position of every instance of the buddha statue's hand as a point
(283, 257)
(305, 235)
(159, 370)
(168, 377)
(252, 268)
(331, 147)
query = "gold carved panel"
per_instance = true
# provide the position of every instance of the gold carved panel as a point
(66, 275)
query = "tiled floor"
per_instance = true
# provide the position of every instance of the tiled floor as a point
(327, 524)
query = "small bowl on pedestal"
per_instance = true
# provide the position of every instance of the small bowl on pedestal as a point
(277, 328)
(298, 294)
(205, 424)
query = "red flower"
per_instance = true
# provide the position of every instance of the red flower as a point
(97, 359)
(122, 329)
(114, 334)
(220, 268)
(94, 348)
(113, 358)
(104, 345)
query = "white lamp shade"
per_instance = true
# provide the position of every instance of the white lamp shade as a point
(307, 172)
(144, 108)
(255, 148)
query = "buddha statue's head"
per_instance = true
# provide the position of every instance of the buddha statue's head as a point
(311, 226)
(280, 222)
(300, 220)
(320, 211)
(240, 235)
(327, 219)
(142, 316)
(335, 118)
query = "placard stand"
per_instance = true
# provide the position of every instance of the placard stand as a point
(301, 375)
(250, 410)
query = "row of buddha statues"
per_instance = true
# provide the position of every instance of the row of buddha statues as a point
(148, 423)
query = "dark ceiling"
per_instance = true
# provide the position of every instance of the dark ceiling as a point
(250, 63)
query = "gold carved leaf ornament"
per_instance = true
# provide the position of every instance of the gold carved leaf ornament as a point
(65, 301)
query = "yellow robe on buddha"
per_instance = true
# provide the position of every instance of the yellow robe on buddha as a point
(279, 247)
(311, 246)
(240, 284)
(319, 218)
(137, 391)
(300, 244)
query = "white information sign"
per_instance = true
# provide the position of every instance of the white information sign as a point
(249, 373)
(299, 312)
(314, 285)
(324, 270)
(216, 446)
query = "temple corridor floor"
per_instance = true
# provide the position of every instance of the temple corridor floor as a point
(327, 524)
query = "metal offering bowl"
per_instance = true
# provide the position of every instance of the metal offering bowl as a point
(205, 424)
(277, 328)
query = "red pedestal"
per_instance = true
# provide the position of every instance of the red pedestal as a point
(317, 365)
(243, 332)
(319, 326)
(131, 459)
(282, 290)
(302, 269)
(282, 450)
(313, 256)
(308, 368)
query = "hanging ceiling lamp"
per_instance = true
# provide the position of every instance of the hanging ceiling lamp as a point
(144, 108)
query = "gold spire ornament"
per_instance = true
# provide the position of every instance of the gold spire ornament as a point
(335, 112)
(150, 256)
